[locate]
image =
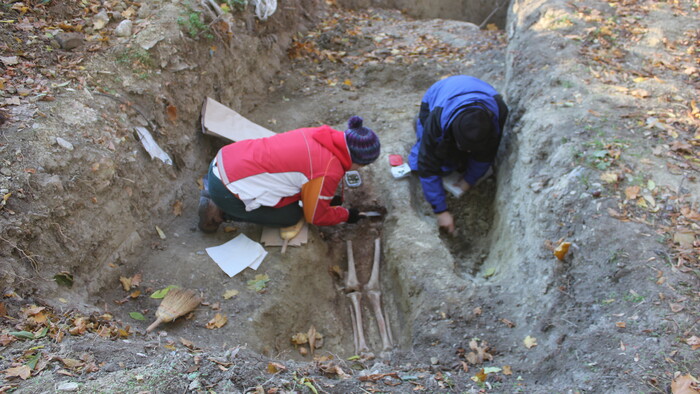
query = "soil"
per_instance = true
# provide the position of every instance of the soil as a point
(600, 152)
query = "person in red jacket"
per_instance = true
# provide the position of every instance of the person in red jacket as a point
(263, 180)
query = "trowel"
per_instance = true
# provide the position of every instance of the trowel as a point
(373, 211)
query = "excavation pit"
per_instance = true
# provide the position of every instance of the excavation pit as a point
(489, 287)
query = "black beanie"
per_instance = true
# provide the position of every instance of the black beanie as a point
(473, 130)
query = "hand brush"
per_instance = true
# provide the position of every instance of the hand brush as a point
(287, 233)
(176, 303)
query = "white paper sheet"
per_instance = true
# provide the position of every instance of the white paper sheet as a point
(237, 254)
(152, 147)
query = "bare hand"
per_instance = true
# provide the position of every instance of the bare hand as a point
(446, 221)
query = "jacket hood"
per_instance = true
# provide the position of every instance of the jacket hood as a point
(334, 141)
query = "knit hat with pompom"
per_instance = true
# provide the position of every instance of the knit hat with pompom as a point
(363, 143)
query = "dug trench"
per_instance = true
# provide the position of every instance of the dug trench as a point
(306, 284)
(493, 284)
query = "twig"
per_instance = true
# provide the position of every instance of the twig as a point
(65, 237)
(498, 7)
(570, 322)
(24, 255)
(135, 107)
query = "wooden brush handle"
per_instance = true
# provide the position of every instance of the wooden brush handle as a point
(284, 245)
(154, 324)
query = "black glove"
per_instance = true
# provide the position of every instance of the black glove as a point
(354, 216)
(337, 200)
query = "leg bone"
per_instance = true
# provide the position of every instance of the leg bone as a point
(355, 298)
(354, 327)
(375, 297)
(351, 282)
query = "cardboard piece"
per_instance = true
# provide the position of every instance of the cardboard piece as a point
(237, 254)
(221, 121)
(271, 237)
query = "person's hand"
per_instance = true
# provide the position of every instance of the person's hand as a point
(462, 184)
(446, 221)
(336, 200)
(354, 216)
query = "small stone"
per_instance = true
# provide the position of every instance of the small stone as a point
(5, 171)
(123, 29)
(9, 60)
(195, 385)
(64, 144)
(434, 360)
(68, 41)
(100, 20)
(67, 386)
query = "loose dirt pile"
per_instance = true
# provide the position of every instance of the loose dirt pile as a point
(601, 152)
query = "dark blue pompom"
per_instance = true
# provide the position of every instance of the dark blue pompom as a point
(355, 122)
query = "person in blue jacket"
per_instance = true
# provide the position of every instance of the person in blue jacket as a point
(458, 128)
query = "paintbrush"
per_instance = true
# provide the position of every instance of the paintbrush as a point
(176, 303)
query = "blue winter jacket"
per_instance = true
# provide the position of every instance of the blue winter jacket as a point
(435, 155)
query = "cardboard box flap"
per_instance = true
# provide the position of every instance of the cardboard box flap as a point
(221, 121)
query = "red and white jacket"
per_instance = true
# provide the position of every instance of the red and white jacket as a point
(304, 164)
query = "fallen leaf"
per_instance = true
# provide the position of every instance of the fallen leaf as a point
(479, 353)
(217, 321)
(162, 292)
(684, 238)
(3, 310)
(631, 192)
(561, 250)
(507, 370)
(171, 111)
(508, 323)
(186, 343)
(621, 324)
(22, 334)
(177, 208)
(694, 342)
(259, 283)
(160, 232)
(230, 294)
(64, 278)
(136, 280)
(640, 93)
(273, 367)
(685, 384)
(71, 363)
(22, 372)
(136, 316)
(609, 177)
(530, 342)
(126, 283)
(312, 339)
(480, 376)
(675, 308)
(332, 368)
(300, 338)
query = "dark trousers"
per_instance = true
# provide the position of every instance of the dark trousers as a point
(234, 209)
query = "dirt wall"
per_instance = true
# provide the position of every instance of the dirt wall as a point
(478, 12)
